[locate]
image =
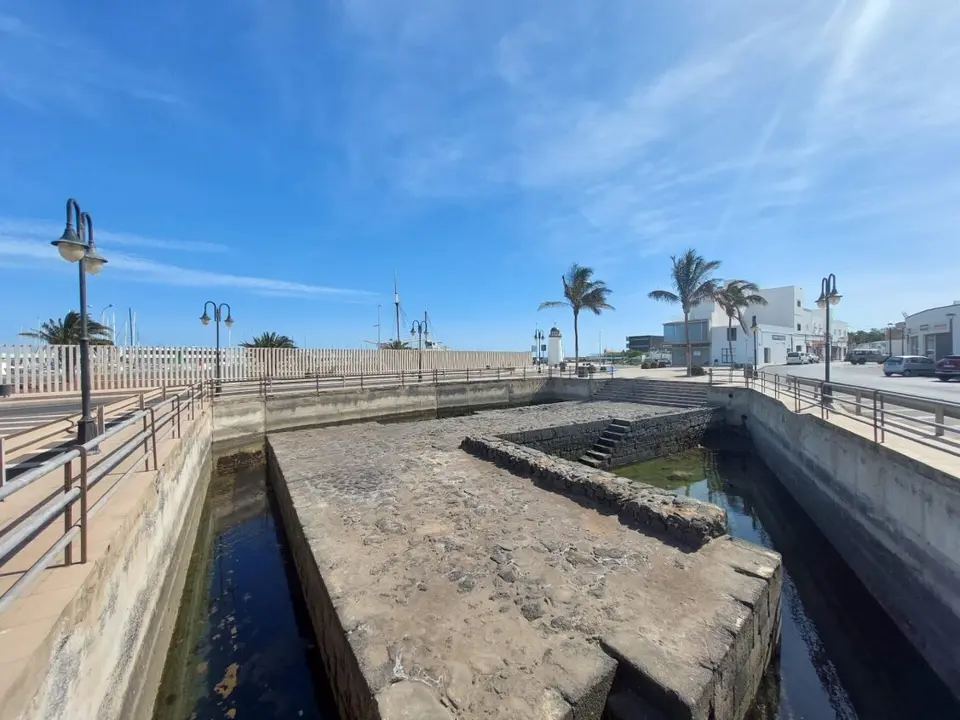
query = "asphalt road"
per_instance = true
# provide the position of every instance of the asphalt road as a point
(18, 414)
(871, 376)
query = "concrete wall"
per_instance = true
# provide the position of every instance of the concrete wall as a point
(238, 420)
(894, 520)
(104, 657)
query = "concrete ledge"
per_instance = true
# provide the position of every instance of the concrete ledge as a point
(685, 521)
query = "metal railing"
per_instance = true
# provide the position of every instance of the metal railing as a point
(270, 387)
(920, 419)
(138, 436)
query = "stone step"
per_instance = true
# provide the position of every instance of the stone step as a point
(604, 443)
(611, 438)
(598, 455)
(620, 424)
(592, 462)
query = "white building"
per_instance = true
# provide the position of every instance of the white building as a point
(554, 347)
(931, 332)
(783, 325)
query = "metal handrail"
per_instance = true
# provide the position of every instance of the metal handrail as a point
(879, 409)
(141, 446)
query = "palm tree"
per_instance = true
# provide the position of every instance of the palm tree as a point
(395, 345)
(581, 292)
(67, 331)
(270, 340)
(693, 282)
(735, 297)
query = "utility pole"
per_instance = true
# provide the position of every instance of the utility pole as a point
(130, 320)
(396, 303)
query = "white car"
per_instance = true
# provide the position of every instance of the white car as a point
(795, 358)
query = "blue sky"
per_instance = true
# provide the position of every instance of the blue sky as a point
(287, 156)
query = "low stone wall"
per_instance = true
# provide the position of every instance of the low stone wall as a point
(683, 520)
(655, 437)
(892, 518)
(104, 657)
(564, 441)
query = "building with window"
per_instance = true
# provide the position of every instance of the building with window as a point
(931, 332)
(644, 343)
(783, 325)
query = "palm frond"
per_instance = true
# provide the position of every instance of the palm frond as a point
(663, 296)
(553, 304)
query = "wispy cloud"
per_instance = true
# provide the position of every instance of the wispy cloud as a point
(56, 68)
(44, 230)
(26, 250)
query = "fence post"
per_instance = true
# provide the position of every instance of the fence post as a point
(153, 433)
(83, 504)
(101, 422)
(883, 432)
(857, 397)
(875, 416)
(938, 418)
(68, 512)
(3, 464)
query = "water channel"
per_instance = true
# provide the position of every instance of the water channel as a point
(841, 655)
(243, 646)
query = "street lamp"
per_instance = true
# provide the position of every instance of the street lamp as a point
(217, 314)
(538, 337)
(78, 246)
(419, 328)
(828, 297)
(754, 329)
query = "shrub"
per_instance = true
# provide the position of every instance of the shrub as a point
(697, 371)
(645, 365)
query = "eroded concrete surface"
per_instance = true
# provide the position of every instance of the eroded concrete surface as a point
(465, 591)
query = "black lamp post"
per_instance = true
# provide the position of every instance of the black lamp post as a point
(538, 339)
(828, 297)
(217, 314)
(79, 247)
(754, 329)
(419, 328)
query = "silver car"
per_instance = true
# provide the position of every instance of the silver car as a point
(908, 365)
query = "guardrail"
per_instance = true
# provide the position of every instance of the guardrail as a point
(920, 419)
(23, 439)
(149, 425)
(269, 387)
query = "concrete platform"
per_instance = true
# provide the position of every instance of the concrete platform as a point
(444, 586)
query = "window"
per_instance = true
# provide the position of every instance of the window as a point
(766, 355)
(798, 303)
(798, 327)
(731, 334)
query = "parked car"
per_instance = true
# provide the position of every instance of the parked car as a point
(908, 365)
(795, 358)
(813, 358)
(948, 367)
(861, 357)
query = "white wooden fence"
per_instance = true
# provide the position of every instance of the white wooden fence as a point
(56, 368)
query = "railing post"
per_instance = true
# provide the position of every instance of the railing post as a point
(401, 378)
(141, 401)
(68, 512)
(179, 432)
(498, 373)
(153, 434)
(361, 380)
(163, 391)
(875, 416)
(3, 464)
(468, 374)
(83, 504)
(857, 397)
(101, 422)
(938, 418)
(883, 432)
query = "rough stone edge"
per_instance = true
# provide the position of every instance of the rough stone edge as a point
(354, 697)
(683, 521)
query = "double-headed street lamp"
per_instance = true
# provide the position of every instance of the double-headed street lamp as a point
(828, 297)
(420, 328)
(538, 337)
(205, 319)
(78, 246)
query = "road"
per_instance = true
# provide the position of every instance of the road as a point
(871, 376)
(17, 414)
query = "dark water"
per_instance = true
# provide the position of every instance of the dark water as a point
(243, 646)
(841, 655)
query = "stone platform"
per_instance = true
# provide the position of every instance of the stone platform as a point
(445, 586)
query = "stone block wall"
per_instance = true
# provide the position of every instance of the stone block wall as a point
(564, 441)
(654, 437)
(685, 521)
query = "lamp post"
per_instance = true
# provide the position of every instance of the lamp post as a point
(419, 328)
(217, 314)
(889, 338)
(828, 297)
(78, 246)
(754, 329)
(538, 341)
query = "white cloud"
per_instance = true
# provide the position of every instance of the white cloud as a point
(44, 230)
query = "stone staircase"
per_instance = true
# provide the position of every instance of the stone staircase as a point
(599, 455)
(654, 392)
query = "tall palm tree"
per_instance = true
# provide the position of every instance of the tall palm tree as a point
(733, 298)
(581, 292)
(693, 282)
(270, 340)
(395, 345)
(67, 331)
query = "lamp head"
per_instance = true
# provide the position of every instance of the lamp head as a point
(94, 261)
(69, 245)
(229, 321)
(205, 319)
(822, 301)
(834, 297)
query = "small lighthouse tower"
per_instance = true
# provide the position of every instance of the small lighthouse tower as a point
(555, 347)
